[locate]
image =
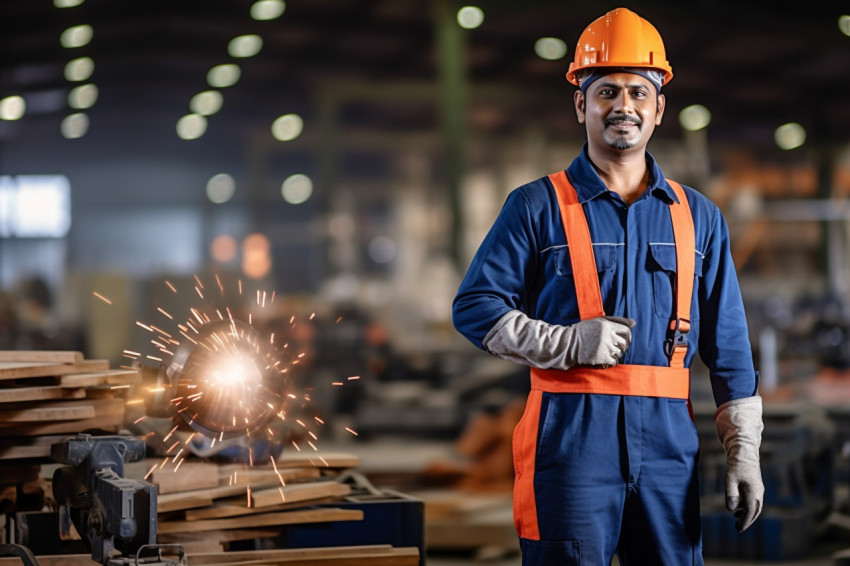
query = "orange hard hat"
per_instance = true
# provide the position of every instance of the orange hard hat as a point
(620, 38)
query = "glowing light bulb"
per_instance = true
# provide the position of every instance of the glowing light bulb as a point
(12, 108)
(694, 117)
(550, 48)
(470, 17)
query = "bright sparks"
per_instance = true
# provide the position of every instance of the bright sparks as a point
(101, 297)
(229, 378)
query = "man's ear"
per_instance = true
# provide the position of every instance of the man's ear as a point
(659, 109)
(578, 99)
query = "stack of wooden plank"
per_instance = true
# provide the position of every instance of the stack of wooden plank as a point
(206, 505)
(46, 396)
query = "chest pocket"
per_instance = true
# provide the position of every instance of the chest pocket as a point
(661, 263)
(605, 256)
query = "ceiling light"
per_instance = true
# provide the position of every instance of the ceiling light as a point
(79, 69)
(67, 3)
(267, 9)
(74, 126)
(245, 45)
(790, 136)
(191, 126)
(76, 36)
(287, 127)
(694, 117)
(221, 188)
(222, 76)
(550, 48)
(844, 24)
(83, 96)
(12, 108)
(297, 189)
(206, 103)
(470, 17)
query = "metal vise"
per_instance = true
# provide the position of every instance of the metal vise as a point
(116, 517)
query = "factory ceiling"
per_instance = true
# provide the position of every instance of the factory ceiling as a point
(370, 70)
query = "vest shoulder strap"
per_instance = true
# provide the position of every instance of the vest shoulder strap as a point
(685, 239)
(588, 294)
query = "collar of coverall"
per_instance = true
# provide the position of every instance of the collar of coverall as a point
(589, 185)
(600, 72)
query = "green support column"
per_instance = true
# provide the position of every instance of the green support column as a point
(451, 58)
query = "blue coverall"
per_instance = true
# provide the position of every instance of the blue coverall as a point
(614, 474)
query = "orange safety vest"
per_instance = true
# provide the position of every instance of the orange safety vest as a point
(624, 379)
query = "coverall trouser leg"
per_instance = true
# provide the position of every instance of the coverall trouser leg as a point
(605, 474)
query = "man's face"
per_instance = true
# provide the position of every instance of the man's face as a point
(620, 112)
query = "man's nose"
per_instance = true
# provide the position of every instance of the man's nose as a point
(623, 103)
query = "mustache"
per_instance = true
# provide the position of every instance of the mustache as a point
(622, 119)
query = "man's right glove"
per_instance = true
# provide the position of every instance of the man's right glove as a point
(739, 427)
(600, 341)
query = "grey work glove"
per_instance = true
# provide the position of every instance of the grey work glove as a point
(739, 427)
(598, 341)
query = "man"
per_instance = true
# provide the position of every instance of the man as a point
(606, 280)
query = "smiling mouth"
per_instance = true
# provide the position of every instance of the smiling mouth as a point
(623, 125)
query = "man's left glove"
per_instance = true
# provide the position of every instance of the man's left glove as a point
(739, 427)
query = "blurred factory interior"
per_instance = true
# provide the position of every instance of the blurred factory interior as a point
(328, 168)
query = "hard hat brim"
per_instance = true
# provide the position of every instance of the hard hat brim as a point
(667, 70)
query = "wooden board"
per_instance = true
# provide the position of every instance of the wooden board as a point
(28, 447)
(167, 506)
(13, 452)
(299, 554)
(215, 538)
(18, 394)
(109, 377)
(194, 475)
(265, 475)
(298, 492)
(327, 556)
(109, 414)
(56, 356)
(323, 515)
(197, 498)
(294, 493)
(21, 370)
(403, 557)
(456, 535)
(233, 508)
(318, 460)
(47, 411)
